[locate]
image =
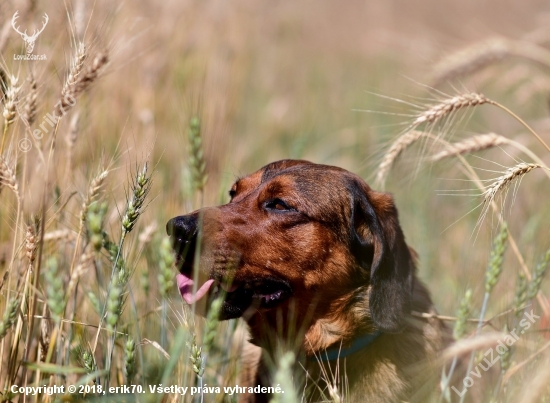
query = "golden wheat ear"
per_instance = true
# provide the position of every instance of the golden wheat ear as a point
(503, 182)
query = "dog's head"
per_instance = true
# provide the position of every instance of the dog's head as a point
(301, 237)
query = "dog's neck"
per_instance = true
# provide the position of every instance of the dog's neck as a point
(339, 352)
(342, 323)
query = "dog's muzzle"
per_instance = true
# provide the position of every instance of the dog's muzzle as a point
(183, 231)
(265, 292)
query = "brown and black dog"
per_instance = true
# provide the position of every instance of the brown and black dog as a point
(315, 260)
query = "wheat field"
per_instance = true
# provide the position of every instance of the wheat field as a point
(118, 117)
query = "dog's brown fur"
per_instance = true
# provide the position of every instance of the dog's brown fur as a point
(338, 246)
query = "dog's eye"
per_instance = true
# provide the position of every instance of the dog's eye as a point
(232, 193)
(278, 204)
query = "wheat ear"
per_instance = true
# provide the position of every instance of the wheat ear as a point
(82, 81)
(197, 162)
(11, 97)
(77, 65)
(93, 192)
(7, 178)
(29, 113)
(398, 146)
(31, 242)
(429, 116)
(448, 106)
(502, 183)
(471, 144)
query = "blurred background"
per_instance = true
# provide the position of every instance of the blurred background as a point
(334, 82)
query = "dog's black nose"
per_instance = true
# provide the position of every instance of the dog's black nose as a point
(183, 227)
(183, 233)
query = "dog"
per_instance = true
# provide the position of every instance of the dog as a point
(316, 262)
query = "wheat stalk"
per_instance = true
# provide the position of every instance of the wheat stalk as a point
(503, 182)
(434, 114)
(81, 82)
(55, 289)
(429, 116)
(197, 163)
(31, 243)
(130, 369)
(9, 317)
(470, 145)
(29, 112)
(76, 68)
(7, 178)
(93, 192)
(398, 146)
(84, 82)
(134, 208)
(45, 333)
(10, 99)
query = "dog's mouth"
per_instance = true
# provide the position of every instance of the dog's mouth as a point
(238, 297)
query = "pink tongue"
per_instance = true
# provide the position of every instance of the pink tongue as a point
(185, 284)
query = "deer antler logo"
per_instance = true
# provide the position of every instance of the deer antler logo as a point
(29, 39)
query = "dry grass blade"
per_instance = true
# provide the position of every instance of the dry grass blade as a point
(471, 144)
(157, 346)
(502, 183)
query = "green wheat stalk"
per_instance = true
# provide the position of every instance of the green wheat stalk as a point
(458, 332)
(492, 274)
(197, 163)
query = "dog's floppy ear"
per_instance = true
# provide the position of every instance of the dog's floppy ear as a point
(379, 245)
